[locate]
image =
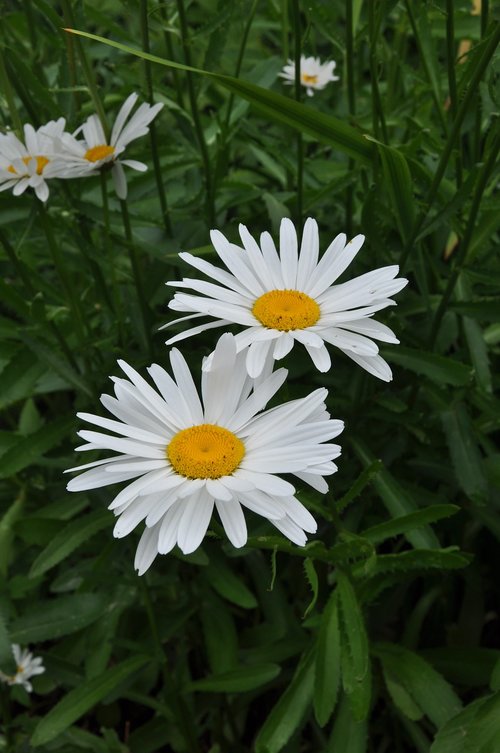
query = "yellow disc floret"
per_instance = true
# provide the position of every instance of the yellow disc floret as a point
(95, 153)
(41, 162)
(307, 79)
(205, 451)
(286, 310)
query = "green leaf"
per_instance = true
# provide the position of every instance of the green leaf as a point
(312, 578)
(438, 368)
(327, 664)
(400, 186)
(55, 618)
(356, 670)
(228, 584)
(29, 449)
(288, 714)
(475, 730)
(465, 453)
(420, 559)
(472, 667)
(401, 697)
(48, 355)
(365, 477)
(428, 689)
(275, 106)
(7, 664)
(70, 538)
(348, 734)
(78, 701)
(238, 680)
(405, 523)
(6, 525)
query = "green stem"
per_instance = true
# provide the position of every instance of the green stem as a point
(351, 102)
(452, 84)
(136, 271)
(210, 202)
(170, 54)
(152, 127)
(377, 109)
(297, 48)
(117, 303)
(8, 93)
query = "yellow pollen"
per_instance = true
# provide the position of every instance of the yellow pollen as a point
(205, 451)
(286, 310)
(41, 162)
(95, 153)
(307, 79)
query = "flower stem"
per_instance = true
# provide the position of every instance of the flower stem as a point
(117, 303)
(452, 84)
(8, 93)
(297, 49)
(136, 271)
(351, 101)
(152, 126)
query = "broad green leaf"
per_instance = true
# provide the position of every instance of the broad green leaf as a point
(6, 525)
(78, 701)
(220, 635)
(29, 449)
(438, 368)
(420, 559)
(55, 618)
(479, 353)
(18, 378)
(472, 667)
(475, 730)
(465, 453)
(355, 658)
(327, 663)
(348, 734)
(405, 523)
(285, 110)
(237, 680)
(400, 186)
(228, 584)
(486, 310)
(70, 538)
(288, 714)
(312, 578)
(401, 697)
(428, 690)
(396, 499)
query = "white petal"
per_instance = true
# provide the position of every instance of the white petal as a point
(309, 251)
(299, 514)
(169, 527)
(373, 364)
(291, 530)
(119, 180)
(233, 521)
(194, 522)
(256, 357)
(283, 345)
(146, 550)
(288, 253)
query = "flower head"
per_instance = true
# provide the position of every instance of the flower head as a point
(290, 297)
(313, 73)
(32, 163)
(95, 150)
(27, 666)
(188, 455)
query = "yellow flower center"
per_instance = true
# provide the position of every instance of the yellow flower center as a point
(307, 79)
(41, 162)
(286, 310)
(95, 153)
(205, 451)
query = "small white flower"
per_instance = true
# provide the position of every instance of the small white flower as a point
(33, 163)
(280, 299)
(95, 150)
(27, 666)
(187, 455)
(313, 73)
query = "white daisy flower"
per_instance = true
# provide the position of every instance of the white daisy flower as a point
(94, 151)
(33, 163)
(313, 73)
(27, 666)
(187, 455)
(281, 299)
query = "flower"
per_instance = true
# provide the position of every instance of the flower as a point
(95, 150)
(33, 163)
(313, 73)
(290, 297)
(27, 666)
(187, 455)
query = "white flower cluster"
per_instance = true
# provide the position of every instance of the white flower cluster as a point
(50, 152)
(27, 665)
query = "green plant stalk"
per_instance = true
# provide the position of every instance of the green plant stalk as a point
(482, 181)
(297, 49)
(8, 93)
(32, 27)
(377, 109)
(170, 51)
(117, 304)
(87, 70)
(351, 103)
(152, 126)
(136, 271)
(452, 84)
(210, 203)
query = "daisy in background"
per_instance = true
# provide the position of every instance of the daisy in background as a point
(32, 163)
(95, 151)
(313, 73)
(290, 297)
(188, 455)
(27, 666)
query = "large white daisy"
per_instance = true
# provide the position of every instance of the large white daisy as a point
(290, 297)
(27, 666)
(187, 455)
(32, 163)
(313, 73)
(95, 151)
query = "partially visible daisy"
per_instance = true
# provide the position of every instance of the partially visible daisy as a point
(187, 455)
(27, 666)
(287, 298)
(95, 150)
(32, 163)
(313, 73)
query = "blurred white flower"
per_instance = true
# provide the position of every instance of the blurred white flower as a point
(313, 73)
(94, 151)
(32, 163)
(280, 299)
(187, 455)
(27, 666)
